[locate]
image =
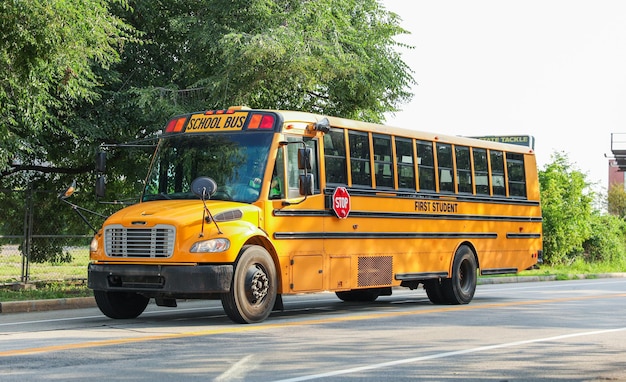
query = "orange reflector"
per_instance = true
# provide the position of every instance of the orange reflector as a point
(255, 121)
(179, 125)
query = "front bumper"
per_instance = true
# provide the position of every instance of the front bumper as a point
(160, 279)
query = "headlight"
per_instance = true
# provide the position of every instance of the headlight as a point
(213, 245)
(93, 247)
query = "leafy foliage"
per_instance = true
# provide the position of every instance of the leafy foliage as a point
(617, 200)
(48, 52)
(567, 210)
(607, 241)
(332, 57)
(575, 232)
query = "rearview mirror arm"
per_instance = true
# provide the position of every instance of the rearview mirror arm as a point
(82, 216)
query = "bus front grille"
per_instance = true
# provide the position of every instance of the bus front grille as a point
(156, 242)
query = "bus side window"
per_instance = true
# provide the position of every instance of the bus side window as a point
(463, 169)
(335, 157)
(426, 165)
(360, 159)
(497, 172)
(406, 170)
(294, 172)
(383, 162)
(515, 171)
(481, 171)
(444, 164)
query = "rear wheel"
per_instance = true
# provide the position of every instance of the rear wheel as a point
(460, 288)
(120, 304)
(253, 288)
(434, 291)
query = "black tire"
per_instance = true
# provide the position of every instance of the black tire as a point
(434, 291)
(358, 295)
(460, 288)
(253, 288)
(120, 305)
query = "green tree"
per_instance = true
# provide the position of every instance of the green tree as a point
(616, 199)
(328, 56)
(567, 210)
(48, 52)
(334, 57)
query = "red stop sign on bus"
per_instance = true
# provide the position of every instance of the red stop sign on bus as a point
(341, 202)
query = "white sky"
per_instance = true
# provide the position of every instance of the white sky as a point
(553, 69)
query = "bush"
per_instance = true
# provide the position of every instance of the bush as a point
(567, 210)
(607, 241)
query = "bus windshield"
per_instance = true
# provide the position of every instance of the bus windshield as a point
(235, 161)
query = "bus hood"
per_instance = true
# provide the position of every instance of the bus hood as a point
(182, 213)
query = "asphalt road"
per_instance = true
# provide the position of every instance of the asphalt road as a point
(552, 331)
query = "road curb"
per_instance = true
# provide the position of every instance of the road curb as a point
(46, 305)
(521, 279)
(90, 302)
(514, 279)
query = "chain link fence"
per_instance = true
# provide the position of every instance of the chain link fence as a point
(36, 239)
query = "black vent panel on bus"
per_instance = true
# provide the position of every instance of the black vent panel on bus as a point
(375, 270)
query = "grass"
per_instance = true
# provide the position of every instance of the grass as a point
(46, 280)
(578, 267)
(11, 267)
(44, 291)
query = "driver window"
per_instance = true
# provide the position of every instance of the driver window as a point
(277, 189)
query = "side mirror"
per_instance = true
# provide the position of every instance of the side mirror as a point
(304, 158)
(100, 186)
(306, 184)
(101, 162)
(69, 191)
(204, 187)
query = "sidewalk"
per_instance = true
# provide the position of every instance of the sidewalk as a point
(89, 302)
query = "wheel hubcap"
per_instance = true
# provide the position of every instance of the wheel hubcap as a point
(464, 276)
(258, 284)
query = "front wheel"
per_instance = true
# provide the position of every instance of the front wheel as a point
(253, 288)
(120, 305)
(460, 288)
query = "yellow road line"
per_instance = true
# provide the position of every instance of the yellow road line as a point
(326, 320)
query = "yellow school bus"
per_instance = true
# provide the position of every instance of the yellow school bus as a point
(248, 205)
